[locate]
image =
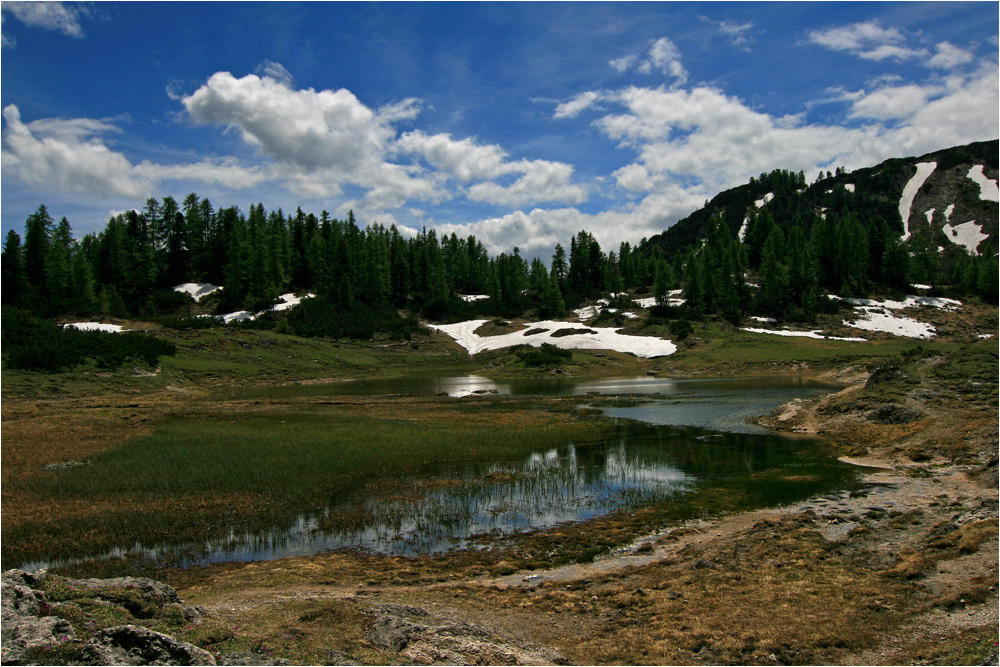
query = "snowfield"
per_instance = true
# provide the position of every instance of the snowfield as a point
(924, 170)
(570, 336)
(197, 290)
(96, 326)
(967, 234)
(989, 190)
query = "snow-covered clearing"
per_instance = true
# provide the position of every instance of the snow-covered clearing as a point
(849, 187)
(96, 326)
(967, 234)
(197, 290)
(564, 335)
(469, 298)
(989, 190)
(924, 170)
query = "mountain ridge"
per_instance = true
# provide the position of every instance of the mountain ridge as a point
(874, 191)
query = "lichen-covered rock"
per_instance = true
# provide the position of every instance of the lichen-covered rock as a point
(26, 624)
(136, 645)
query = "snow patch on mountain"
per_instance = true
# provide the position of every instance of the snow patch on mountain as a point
(989, 190)
(924, 170)
(760, 203)
(968, 234)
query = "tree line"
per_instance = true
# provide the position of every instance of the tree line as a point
(785, 264)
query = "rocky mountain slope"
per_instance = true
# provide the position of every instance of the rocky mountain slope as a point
(946, 199)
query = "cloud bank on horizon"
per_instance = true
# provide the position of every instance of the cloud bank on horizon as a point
(660, 130)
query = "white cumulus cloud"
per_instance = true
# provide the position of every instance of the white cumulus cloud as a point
(71, 156)
(663, 56)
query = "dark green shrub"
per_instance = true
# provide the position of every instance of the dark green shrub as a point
(546, 355)
(680, 329)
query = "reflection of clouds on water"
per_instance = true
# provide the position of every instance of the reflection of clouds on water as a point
(545, 488)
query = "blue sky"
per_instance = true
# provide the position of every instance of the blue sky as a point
(519, 123)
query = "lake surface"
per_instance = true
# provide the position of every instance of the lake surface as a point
(676, 438)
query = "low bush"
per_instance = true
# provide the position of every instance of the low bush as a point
(546, 355)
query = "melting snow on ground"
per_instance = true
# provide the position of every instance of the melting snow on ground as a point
(197, 290)
(570, 337)
(469, 298)
(287, 301)
(96, 326)
(587, 312)
(909, 302)
(801, 334)
(967, 234)
(873, 320)
(988, 188)
(924, 170)
(875, 315)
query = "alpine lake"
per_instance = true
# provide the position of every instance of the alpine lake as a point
(661, 442)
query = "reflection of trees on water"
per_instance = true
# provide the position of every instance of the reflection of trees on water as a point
(448, 506)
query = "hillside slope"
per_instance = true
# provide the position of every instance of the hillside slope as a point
(950, 202)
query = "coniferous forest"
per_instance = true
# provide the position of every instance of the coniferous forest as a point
(781, 262)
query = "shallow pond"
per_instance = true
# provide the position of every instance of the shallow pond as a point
(675, 439)
(717, 404)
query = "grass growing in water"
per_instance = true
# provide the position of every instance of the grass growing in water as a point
(202, 475)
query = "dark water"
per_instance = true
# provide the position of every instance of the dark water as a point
(676, 438)
(723, 405)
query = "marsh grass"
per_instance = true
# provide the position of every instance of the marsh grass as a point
(203, 475)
